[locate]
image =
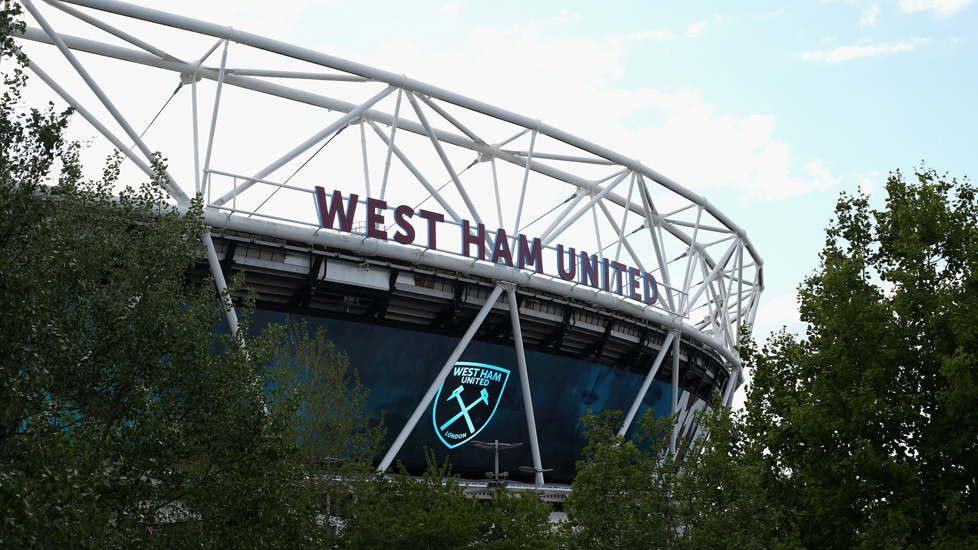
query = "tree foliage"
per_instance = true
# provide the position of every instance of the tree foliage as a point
(331, 401)
(125, 418)
(868, 425)
(622, 496)
(335, 440)
(404, 512)
(720, 495)
(515, 521)
(636, 494)
(433, 511)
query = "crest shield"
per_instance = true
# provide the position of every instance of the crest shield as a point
(467, 401)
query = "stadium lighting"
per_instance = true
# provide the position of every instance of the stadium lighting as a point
(496, 446)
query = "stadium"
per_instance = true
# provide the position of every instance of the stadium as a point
(490, 277)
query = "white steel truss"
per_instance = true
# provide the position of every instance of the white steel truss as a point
(429, 149)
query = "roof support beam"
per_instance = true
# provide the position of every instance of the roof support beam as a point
(439, 380)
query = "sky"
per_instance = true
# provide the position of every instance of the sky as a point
(768, 109)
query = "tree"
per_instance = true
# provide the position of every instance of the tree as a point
(336, 441)
(433, 511)
(708, 495)
(403, 512)
(719, 494)
(125, 419)
(517, 521)
(868, 424)
(622, 496)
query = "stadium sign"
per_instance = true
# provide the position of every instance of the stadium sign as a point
(467, 407)
(595, 271)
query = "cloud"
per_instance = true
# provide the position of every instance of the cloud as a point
(777, 313)
(847, 53)
(565, 16)
(618, 41)
(574, 86)
(942, 8)
(524, 48)
(249, 15)
(695, 29)
(866, 186)
(451, 12)
(698, 147)
(869, 14)
(649, 34)
(771, 14)
(678, 133)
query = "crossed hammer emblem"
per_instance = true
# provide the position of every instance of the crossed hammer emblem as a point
(457, 395)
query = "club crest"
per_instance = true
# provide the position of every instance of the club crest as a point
(466, 401)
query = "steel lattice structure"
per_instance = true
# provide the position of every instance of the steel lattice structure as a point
(265, 122)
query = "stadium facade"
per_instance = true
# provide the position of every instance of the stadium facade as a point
(490, 277)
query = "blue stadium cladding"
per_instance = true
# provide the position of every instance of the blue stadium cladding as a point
(399, 365)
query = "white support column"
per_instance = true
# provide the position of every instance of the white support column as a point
(455, 122)
(740, 290)
(444, 157)
(624, 218)
(531, 425)
(366, 169)
(726, 316)
(729, 318)
(732, 382)
(439, 380)
(198, 175)
(674, 395)
(550, 236)
(647, 383)
(712, 275)
(141, 44)
(690, 254)
(495, 188)
(220, 282)
(205, 177)
(716, 303)
(517, 135)
(622, 238)
(193, 120)
(657, 244)
(390, 144)
(526, 177)
(579, 195)
(417, 173)
(755, 295)
(342, 122)
(661, 244)
(597, 237)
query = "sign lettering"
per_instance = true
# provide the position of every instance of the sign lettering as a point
(524, 253)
